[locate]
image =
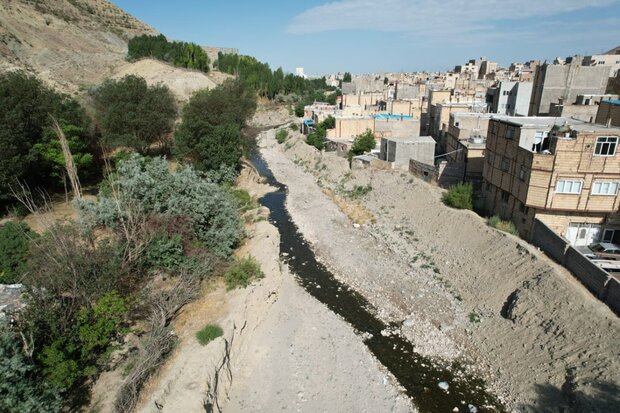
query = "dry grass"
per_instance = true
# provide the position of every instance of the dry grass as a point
(353, 209)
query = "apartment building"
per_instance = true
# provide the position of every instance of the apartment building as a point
(510, 98)
(564, 172)
(609, 113)
(466, 142)
(566, 82)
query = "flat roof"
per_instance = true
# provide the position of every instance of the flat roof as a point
(530, 122)
(391, 116)
(613, 102)
(414, 139)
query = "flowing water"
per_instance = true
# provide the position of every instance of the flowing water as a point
(419, 376)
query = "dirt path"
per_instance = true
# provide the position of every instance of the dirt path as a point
(462, 289)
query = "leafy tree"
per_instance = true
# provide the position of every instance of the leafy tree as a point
(362, 144)
(25, 121)
(386, 80)
(181, 54)
(329, 122)
(210, 132)
(133, 114)
(346, 77)
(21, 388)
(14, 239)
(50, 151)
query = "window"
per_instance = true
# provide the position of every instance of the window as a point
(505, 166)
(494, 127)
(604, 188)
(523, 208)
(608, 235)
(568, 186)
(601, 62)
(522, 172)
(510, 133)
(606, 145)
(505, 196)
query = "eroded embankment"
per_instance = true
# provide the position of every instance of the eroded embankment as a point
(460, 289)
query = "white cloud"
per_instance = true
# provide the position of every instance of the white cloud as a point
(427, 16)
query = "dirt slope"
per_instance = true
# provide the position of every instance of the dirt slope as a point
(461, 289)
(70, 44)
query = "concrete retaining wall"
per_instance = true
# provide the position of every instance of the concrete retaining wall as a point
(600, 283)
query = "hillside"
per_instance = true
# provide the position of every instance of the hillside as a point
(70, 44)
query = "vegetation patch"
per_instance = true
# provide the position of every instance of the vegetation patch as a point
(242, 272)
(281, 136)
(459, 196)
(363, 143)
(209, 333)
(506, 226)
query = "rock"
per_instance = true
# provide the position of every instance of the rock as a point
(444, 386)
(472, 408)
(407, 323)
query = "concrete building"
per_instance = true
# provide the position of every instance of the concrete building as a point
(510, 98)
(400, 150)
(560, 171)
(566, 82)
(609, 113)
(610, 59)
(465, 143)
(388, 126)
(439, 118)
(584, 109)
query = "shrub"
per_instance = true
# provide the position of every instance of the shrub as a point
(358, 191)
(21, 387)
(210, 209)
(242, 272)
(506, 226)
(209, 333)
(459, 196)
(294, 127)
(281, 135)
(14, 239)
(244, 200)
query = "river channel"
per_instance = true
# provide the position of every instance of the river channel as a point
(418, 375)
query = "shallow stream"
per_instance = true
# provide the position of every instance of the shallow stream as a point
(422, 379)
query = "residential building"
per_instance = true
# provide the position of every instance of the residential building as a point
(585, 108)
(465, 143)
(609, 113)
(610, 59)
(510, 98)
(563, 172)
(439, 118)
(400, 150)
(565, 81)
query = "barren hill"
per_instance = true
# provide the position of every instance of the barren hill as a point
(68, 43)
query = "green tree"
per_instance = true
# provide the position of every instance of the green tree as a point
(210, 132)
(181, 54)
(14, 240)
(346, 77)
(50, 151)
(362, 144)
(329, 122)
(386, 80)
(21, 388)
(133, 114)
(25, 120)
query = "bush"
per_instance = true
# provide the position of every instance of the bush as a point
(294, 127)
(209, 333)
(21, 387)
(242, 272)
(210, 209)
(506, 226)
(14, 240)
(244, 200)
(459, 196)
(281, 135)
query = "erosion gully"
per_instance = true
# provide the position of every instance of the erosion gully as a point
(419, 375)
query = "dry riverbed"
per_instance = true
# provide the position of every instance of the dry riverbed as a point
(460, 290)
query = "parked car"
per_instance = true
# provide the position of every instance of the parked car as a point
(606, 250)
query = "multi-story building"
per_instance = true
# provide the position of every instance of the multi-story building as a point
(510, 98)
(564, 172)
(566, 82)
(465, 143)
(609, 113)
(610, 59)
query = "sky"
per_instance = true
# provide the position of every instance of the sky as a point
(376, 36)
